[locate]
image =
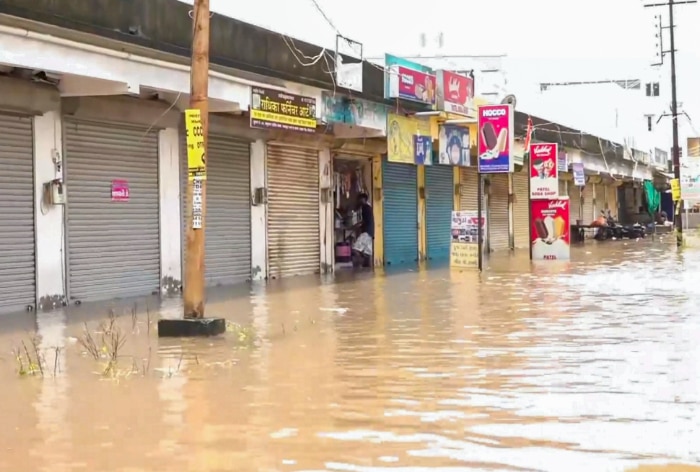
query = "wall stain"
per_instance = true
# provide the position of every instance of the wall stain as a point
(170, 285)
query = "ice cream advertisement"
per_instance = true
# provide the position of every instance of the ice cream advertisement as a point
(455, 93)
(550, 229)
(496, 143)
(409, 81)
(544, 171)
(453, 143)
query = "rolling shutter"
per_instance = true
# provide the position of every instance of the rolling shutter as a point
(612, 199)
(293, 229)
(227, 246)
(521, 211)
(113, 247)
(498, 212)
(17, 256)
(400, 213)
(575, 199)
(469, 188)
(588, 213)
(439, 185)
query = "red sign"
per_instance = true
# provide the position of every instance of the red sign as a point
(413, 85)
(455, 93)
(550, 229)
(544, 171)
(120, 191)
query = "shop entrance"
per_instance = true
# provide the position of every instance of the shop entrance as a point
(353, 216)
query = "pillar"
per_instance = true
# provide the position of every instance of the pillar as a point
(258, 211)
(171, 227)
(325, 211)
(378, 210)
(422, 230)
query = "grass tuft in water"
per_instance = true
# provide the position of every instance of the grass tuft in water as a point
(245, 336)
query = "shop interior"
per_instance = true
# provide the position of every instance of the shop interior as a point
(352, 180)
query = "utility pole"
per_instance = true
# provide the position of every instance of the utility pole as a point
(676, 151)
(196, 180)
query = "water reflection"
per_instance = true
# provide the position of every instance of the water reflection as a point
(588, 365)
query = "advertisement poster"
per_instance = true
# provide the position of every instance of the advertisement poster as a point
(337, 108)
(400, 137)
(194, 138)
(675, 190)
(464, 247)
(544, 172)
(563, 161)
(455, 93)
(409, 80)
(120, 191)
(579, 175)
(690, 171)
(550, 229)
(274, 109)
(423, 148)
(453, 145)
(496, 143)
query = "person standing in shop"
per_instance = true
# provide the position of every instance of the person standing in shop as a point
(367, 223)
(364, 245)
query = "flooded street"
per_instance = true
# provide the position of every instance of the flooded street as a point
(592, 365)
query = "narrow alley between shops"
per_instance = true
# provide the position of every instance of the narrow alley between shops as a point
(586, 365)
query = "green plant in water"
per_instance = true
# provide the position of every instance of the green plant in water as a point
(245, 336)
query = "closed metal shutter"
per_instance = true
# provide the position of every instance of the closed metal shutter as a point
(17, 261)
(498, 213)
(588, 210)
(227, 259)
(400, 213)
(563, 191)
(293, 230)
(575, 200)
(469, 190)
(521, 210)
(439, 186)
(612, 200)
(113, 247)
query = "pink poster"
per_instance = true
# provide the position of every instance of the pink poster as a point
(544, 172)
(496, 125)
(120, 191)
(550, 229)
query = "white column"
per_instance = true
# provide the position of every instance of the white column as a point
(258, 212)
(325, 211)
(50, 224)
(170, 210)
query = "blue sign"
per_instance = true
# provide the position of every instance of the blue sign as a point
(423, 150)
(579, 175)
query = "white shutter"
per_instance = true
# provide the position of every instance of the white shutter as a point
(498, 213)
(521, 210)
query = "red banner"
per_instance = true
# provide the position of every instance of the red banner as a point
(544, 174)
(455, 93)
(550, 229)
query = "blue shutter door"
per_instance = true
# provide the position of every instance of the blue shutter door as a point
(439, 204)
(400, 214)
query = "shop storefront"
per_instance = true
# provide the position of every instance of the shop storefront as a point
(439, 203)
(17, 261)
(293, 227)
(228, 242)
(498, 221)
(469, 188)
(112, 219)
(352, 180)
(400, 210)
(521, 210)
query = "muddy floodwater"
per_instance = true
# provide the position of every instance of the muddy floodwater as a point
(592, 365)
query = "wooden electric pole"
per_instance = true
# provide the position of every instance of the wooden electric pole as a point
(197, 187)
(676, 150)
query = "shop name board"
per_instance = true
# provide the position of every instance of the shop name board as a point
(275, 109)
(455, 93)
(409, 81)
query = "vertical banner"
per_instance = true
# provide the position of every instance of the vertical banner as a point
(423, 149)
(196, 160)
(544, 171)
(453, 142)
(464, 239)
(550, 229)
(579, 174)
(690, 172)
(496, 139)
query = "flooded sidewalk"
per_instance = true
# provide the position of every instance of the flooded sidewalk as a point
(592, 365)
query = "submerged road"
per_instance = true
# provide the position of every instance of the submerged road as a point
(592, 365)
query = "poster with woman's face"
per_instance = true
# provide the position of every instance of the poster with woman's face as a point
(454, 145)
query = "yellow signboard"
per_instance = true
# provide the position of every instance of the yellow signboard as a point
(196, 160)
(675, 189)
(464, 255)
(400, 133)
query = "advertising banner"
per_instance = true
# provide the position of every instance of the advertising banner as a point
(194, 138)
(544, 172)
(690, 172)
(120, 191)
(453, 144)
(274, 109)
(496, 143)
(423, 149)
(563, 161)
(337, 108)
(455, 93)
(401, 132)
(409, 80)
(550, 229)
(579, 174)
(464, 245)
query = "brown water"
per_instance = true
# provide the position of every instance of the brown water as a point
(592, 365)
